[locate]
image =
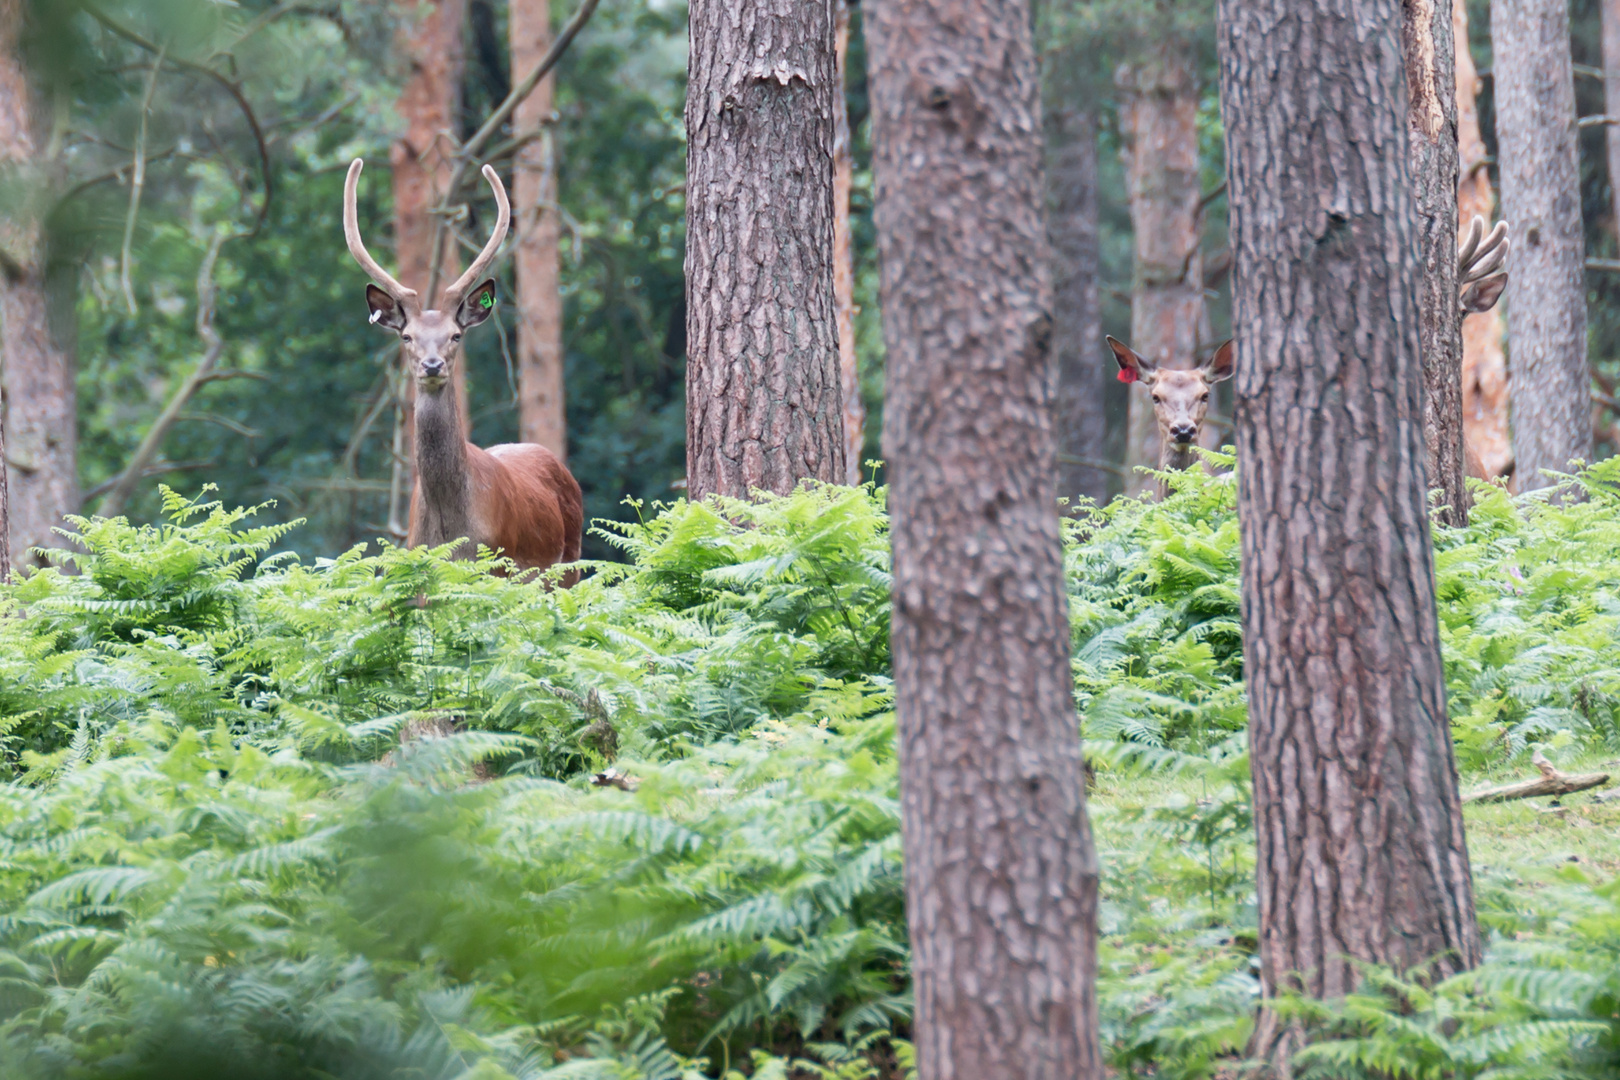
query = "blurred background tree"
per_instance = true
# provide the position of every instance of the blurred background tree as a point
(254, 109)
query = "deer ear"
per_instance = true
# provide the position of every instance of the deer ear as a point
(1131, 366)
(1482, 295)
(478, 305)
(1222, 364)
(385, 310)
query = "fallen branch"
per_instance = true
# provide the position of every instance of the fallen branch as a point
(1550, 782)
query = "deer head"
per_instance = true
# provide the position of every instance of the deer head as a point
(1481, 277)
(431, 337)
(1180, 397)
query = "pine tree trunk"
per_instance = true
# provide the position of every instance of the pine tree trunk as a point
(844, 261)
(1432, 129)
(1159, 128)
(1546, 292)
(763, 401)
(430, 41)
(542, 413)
(1083, 369)
(1001, 874)
(36, 355)
(1486, 433)
(1361, 854)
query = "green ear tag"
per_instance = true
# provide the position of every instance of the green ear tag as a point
(487, 300)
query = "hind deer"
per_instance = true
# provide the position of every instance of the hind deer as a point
(1181, 396)
(517, 498)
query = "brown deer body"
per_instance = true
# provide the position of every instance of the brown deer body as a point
(517, 499)
(1181, 397)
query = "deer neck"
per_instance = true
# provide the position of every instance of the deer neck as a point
(442, 468)
(1174, 455)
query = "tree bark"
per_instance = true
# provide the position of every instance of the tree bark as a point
(1001, 874)
(431, 43)
(1159, 128)
(1535, 133)
(542, 412)
(1484, 365)
(849, 368)
(36, 356)
(1432, 128)
(1360, 854)
(763, 400)
(1083, 367)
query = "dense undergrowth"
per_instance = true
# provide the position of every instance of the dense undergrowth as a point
(276, 820)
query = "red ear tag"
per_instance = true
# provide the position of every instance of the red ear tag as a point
(1127, 375)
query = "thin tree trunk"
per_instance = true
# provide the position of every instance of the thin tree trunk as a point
(1611, 101)
(1486, 433)
(1361, 854)
(844, 260)
(1001, 874)
(1159, 127)
(1082, 423)
(5, 508)
(763, 398)
(542, 413)
(1432, 128)
(1535, 134)
(36, 356)
(431, 43)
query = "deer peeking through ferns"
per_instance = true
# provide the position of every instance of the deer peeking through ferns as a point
(516, 499)
(1181, 396)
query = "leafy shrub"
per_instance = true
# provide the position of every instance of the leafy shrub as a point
(269, 819)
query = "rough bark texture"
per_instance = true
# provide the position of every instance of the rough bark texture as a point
(1432, 129)
(1546, 295)
(1360, 854)
(542, 412)
(1082, 361)
(36, 354)
(849, 367)
(763, 400)
(430, 41)
(1486, 433)
(1158, 122)
(1001, 875)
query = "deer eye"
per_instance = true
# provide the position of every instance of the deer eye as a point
(455, 337)
(404, 337)
(1205, 397)
(1157, 400)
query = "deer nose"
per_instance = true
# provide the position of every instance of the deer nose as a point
(1184, 433)
(432, 369)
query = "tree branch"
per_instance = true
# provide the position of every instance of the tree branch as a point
(118, 493)
(137, 183)
(471, 148)
(232, 88)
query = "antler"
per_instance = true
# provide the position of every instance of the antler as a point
(357, 248)
(454, 294)
(1477, 261)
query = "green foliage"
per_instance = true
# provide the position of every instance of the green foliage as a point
(277, 819)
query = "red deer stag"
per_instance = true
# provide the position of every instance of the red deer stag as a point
(1181, 397)
(517, 499)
